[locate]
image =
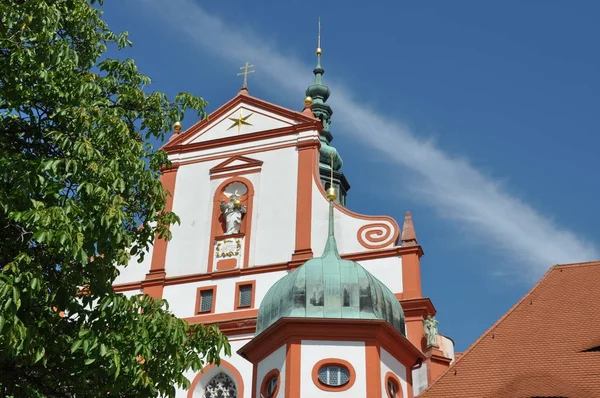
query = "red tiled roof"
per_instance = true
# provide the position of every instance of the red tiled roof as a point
(537, 348)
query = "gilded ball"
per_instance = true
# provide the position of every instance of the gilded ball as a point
(177, 126)
(308, 101)
(319, 51)
(237, 203)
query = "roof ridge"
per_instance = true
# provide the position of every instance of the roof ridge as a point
(493, 327)
(583, 264)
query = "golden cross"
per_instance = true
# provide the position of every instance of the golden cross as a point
(245, 73)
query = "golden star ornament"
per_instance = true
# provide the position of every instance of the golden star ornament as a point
(240, 121)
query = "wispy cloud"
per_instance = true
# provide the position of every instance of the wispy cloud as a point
(450, 185)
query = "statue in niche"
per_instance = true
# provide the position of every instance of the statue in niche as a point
(431, 330)
(233, 212)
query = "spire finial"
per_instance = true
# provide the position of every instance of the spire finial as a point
(319, 51)
(245, 74)
(409, 237)
(331, 194)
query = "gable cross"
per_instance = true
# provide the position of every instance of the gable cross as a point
(245, 73)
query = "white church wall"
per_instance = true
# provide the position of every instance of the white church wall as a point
(276, 360)
(312, 351)
(391, 364)
(135, 272)
(187, 251)
(182, 297)
(388, 270)
(419, 378)
(274, 222)
(346, 227)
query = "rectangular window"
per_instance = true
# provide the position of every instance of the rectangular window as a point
(205, 299)
(244, 295)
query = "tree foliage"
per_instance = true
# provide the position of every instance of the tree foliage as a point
(79, 195)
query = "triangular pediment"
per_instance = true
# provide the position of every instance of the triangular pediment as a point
(236, 163)
(242, 115)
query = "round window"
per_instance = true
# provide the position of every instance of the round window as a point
(393, 386)
(334, 375)
(270, 384)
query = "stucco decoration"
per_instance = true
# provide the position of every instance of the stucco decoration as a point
(229, 248)
(233, 211)
(431, 330)
(220, 386)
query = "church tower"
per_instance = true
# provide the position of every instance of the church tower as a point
(253, 185)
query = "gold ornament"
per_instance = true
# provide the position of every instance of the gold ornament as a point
(177, 126)
(308, 101)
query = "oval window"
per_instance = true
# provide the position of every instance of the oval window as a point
(270, 384)
(334, 376)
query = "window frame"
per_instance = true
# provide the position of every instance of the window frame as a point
(236, 300)
(265, 383)
(199, 291)
(391, 377)
(337, 362)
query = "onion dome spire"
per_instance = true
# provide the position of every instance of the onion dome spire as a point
(319, 93)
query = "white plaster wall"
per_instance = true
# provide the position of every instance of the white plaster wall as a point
(390, 364)
(182, 297)
(276, 360)
(187, 251)
(346, 227)
(419, 377)
(134, 271)
(131, 293)
(312, 351)
(446, 345)
(274, 223)
(260, 120)
(241, 364)
(388, 270)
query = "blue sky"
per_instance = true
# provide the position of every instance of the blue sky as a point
(478, 117)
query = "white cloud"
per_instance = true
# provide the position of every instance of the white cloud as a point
(452, 186)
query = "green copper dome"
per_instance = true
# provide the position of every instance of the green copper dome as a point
(329, 287)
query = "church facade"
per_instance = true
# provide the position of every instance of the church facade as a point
(316, 300)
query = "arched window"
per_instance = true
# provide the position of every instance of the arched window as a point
(220, 386)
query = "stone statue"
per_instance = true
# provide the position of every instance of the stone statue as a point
(233, 212)
(431, 330)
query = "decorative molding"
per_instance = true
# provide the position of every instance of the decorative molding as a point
(226, 167)
(376, 235)
(396, 251)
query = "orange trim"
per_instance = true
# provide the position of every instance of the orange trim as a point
(238, 285)
(223, 316)
(235, 173)
(232, 104)
(396, 381)
(411, 275)
(224, 167)
(293, 386)
(199, 298)
(306, 162)
(246, 151)
(373, 365)
(157, 271)
(226, 264)
(235, 374)
(390, 239)
(260, 269)
(242, 139)
(217, 228)
(266, 379)
(334, 362)
(369, 330)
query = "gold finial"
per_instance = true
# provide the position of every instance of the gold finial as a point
(308, 101)
(319, 50)
(245, 73)
(331, 194)
(177, 126)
